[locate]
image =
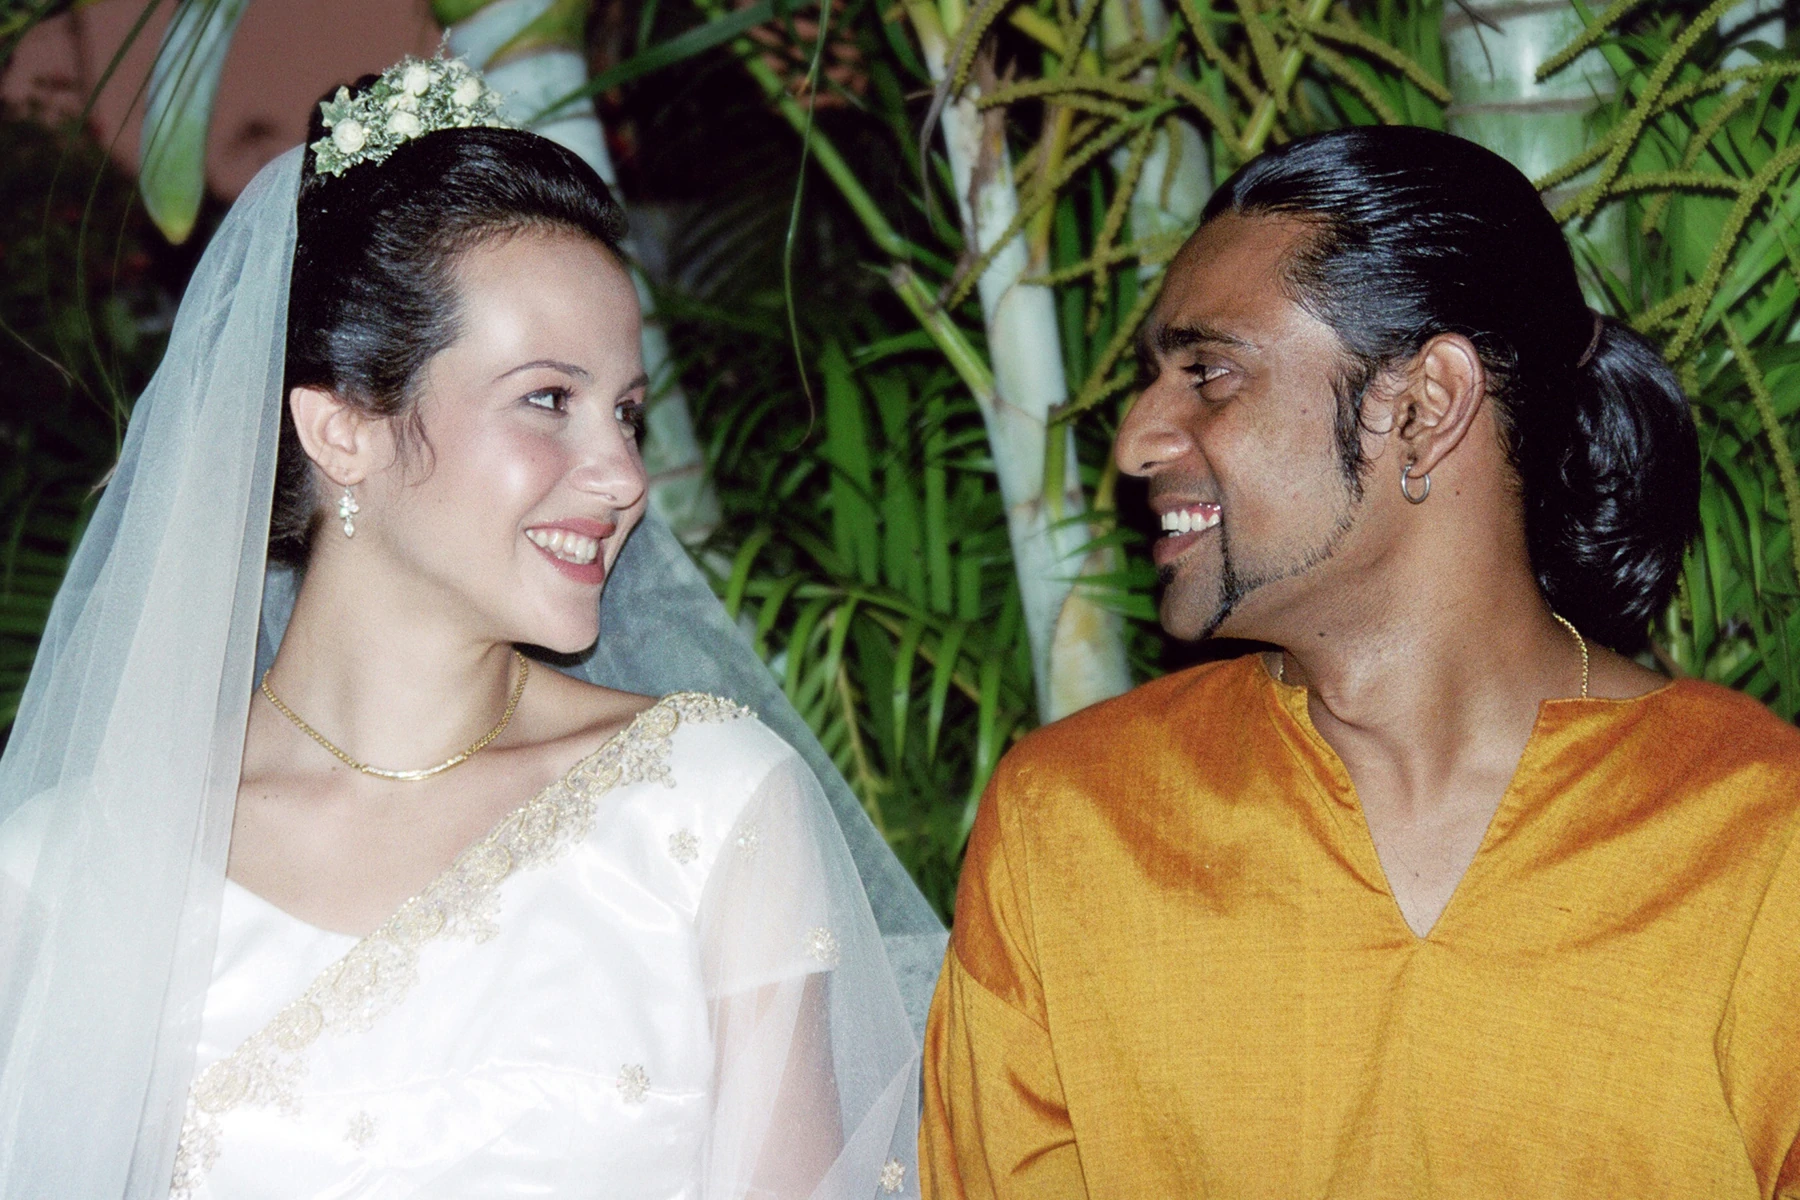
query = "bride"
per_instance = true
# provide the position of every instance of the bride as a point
(411, 911)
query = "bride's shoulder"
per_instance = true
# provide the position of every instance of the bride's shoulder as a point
(697, 733)
(574, 712)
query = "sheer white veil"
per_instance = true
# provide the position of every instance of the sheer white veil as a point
(118, 783)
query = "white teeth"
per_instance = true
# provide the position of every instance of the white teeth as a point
(570, 547)
(1191, 520)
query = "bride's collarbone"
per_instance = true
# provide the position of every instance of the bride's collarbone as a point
(341, 850)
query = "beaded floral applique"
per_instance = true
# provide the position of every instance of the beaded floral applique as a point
(361, 1130)
(822, 945)
(375, 975)
(634, 1083)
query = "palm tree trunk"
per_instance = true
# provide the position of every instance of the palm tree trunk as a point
(1492, 49)
(532, 52)
(1160, 205)
(1077, 646)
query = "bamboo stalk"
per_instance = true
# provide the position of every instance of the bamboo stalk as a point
(1078, 650)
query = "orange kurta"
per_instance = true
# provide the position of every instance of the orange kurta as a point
(1177, 969)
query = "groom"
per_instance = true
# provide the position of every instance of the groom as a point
(1442, 898)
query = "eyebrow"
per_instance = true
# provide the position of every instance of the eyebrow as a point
(642, 381)
(581, 373)
(1171, 338)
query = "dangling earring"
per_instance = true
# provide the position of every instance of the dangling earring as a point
(347, 510)
(1406, 478)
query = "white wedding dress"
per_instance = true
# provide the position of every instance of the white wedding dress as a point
(627, 989)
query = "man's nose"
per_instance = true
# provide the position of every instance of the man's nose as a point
(1153, 432)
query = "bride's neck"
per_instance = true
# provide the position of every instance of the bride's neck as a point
(383, 672)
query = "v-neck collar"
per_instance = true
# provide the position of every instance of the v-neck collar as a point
(1534, 781)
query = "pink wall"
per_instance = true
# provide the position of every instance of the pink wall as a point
(285, 55)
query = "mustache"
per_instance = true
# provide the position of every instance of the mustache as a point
(1162, 488)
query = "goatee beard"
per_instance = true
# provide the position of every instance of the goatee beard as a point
(1234, 585)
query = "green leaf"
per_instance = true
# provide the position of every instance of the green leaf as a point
(679, 49)
(949, 646)
(184, 80)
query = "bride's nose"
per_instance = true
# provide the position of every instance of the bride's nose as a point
(612, 470)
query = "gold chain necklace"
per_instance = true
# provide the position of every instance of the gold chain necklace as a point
(1579, 641)
(454, 760)
(1281, 663)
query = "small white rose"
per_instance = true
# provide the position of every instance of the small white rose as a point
(467, 92)
(349, 136)
(404, 124)
(415, 79)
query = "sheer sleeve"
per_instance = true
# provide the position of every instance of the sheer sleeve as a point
(816, 1089)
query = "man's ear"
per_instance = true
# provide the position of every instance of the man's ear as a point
(339, 438)
(1436, 404)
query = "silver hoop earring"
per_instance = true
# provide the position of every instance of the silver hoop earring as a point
(348, 508)
(1406, 478)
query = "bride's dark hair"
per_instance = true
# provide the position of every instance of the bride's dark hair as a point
(1420, 233)
(373, 295)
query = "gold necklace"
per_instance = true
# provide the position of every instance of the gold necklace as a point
(1579, 641)
(454, 760)
(1281, 663)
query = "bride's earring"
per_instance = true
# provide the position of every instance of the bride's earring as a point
(347, 510)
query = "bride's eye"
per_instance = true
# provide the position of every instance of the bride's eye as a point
(630, 413)
(551, 399)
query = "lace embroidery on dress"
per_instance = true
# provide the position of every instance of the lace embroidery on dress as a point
(375, 975)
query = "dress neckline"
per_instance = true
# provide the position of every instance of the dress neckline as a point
(377, 972)
(616, 736)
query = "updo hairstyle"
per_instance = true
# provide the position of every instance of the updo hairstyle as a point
(1420, 233)
(373, 295)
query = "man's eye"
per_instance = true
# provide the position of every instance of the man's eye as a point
(1204, 373)
(551, 399)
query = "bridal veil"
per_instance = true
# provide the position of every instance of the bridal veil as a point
(118, 784)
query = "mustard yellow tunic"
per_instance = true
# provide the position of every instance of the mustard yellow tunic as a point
(1177, 969)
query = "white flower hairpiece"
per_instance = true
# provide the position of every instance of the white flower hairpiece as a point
(412, 98)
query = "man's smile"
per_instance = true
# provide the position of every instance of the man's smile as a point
(1182, 527)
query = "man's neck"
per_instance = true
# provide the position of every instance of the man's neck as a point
(1430, 685)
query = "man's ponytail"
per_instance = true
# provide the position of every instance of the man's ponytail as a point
(1609, 517)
